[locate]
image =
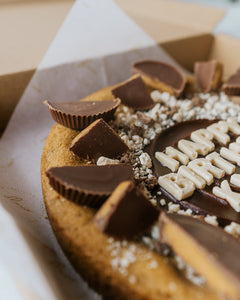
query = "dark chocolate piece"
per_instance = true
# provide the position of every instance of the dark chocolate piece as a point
(162, 76)
(126, 213)
(88, 184)
(98, 139)
(134, 93)
(208, 75)
(208, 249)
(232, 85)
(202, 201)
(78, 115)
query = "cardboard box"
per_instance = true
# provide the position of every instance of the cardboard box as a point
(26, 28)
(184, 30)
(169, 23)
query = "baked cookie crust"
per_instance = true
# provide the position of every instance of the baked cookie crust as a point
(90, 251)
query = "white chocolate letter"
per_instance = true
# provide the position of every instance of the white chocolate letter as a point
(226, 193)
(221, 163)
(189, 174)
(219, 131)
(192, 149)
(174, 153)
(233, 126)
(167, 161)
(204, 137)
(177, 185)
(230, 155)
(235, 179)
(205, 169)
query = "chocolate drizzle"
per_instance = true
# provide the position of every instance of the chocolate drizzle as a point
(202, 201)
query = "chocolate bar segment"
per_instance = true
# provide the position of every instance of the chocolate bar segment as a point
(78, 115)
(232, 85)
(208, 249)
(98, 139)
(162, 76)
(134, 93)
(126, 213)
(208, 75)
(88, 184)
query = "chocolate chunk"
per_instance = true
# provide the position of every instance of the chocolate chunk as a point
(128, 158)
(136, 130)
(98, 139)
(151, 182)
(208, 75)
(78, 115)
(126, 213)
(202, 201)
(208, 249)
(145, 119)
(88, 184)
(197, 101)
(161, 76)
(134, 93)
(232, 85)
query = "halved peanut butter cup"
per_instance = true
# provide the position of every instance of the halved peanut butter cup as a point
(208, 75)
(161, 76)
(134, 93)
(88, 184)
(98, 139)
(232, 85)
(126, 213)
(78, 115)
(208, 249)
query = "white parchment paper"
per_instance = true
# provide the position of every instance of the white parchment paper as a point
(95, 47)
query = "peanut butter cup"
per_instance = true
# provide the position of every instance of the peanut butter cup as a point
(126, 213)
(78, 115)
(134, 93)
(208, 249)
(208, 75)
(232, 85)
(98, 139)
(161, 76)
(88, 184)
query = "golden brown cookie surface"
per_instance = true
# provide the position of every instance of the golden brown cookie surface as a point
(95, 255)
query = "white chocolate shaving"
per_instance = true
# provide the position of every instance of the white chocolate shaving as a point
(233, 126)
(238, 140)
(235, 179)
(226, 193)
(174, 153)
(102, 161)
(221, 163)
(205, 169)
(192, 149)
(204, 137)
(177, 185)
(167, 161)
(230, 155)
(198, 181)
(219, 131)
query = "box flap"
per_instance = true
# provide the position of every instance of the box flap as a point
(168, 20)
(221, 48)
(36, 21)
